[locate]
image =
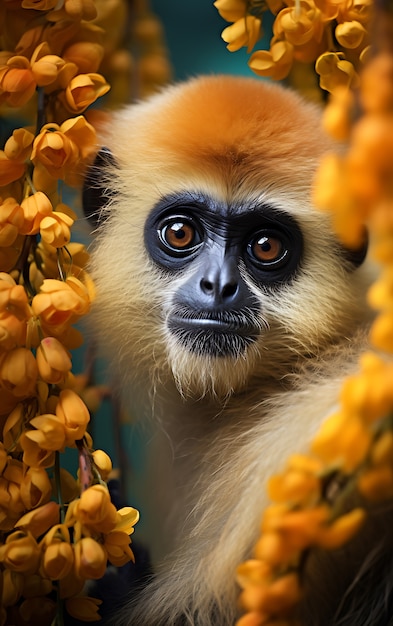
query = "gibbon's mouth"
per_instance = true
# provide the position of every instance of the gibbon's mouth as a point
(206, 334)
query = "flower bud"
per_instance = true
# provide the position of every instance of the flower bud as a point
(18, 372)
(117, 544)
(49, 433)
(55, 229)
(103, 463)
(83, 608)
(74, 414)
(83, 90)
(90, 559)
(40, 519)
(20, 553)
(95, 509)
(57, 560)
(35, 208)
(53, 361)
(35, 488)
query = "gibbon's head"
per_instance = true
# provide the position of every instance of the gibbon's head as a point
(210, 263)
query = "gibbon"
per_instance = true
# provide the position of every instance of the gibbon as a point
(232, 313)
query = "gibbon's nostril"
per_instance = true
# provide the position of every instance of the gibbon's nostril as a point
(229, 290)
(224, 292)
(207, 286)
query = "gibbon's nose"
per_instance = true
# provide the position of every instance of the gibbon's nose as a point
(220, 282)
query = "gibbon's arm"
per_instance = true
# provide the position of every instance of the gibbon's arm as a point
(232, 315)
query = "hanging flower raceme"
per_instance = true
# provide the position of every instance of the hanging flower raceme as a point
(56, 531)
(355, 444)
(333, 35)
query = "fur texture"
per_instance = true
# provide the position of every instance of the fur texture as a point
(221, 425)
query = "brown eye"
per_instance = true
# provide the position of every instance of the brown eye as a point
(269, 249)
(179, 235)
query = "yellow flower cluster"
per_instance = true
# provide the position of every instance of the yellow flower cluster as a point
(357, 441)
(55, 532)
(330, 33)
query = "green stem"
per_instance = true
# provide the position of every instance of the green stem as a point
(58, 486)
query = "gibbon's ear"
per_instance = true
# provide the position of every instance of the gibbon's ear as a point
(356, 256)
(96, 191)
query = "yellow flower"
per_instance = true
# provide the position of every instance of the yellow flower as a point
(83, 608)
(34, 455)
(17, 82)
(20, 553)
(335, 71)
(117, 545)
(35, 488)
(18, 372)
(337, 114)
(279, 597)
(299, 528)
(48, 433)
(10, 169)
(60, 303)
(337, 533)
(12, 587)
(376, 483)
(55, 151)
(40, 519)
(35, 208)
(361, 11)
(18, 146)
(369, 394)
(231, 10)
(73, 413)
(274, 63)
(377, 93)
(273, 549)
(14, 313)
(381, 332)
(34, 585)
(83, 90)
(53, 361)
(331, 193)
(90, 559)
(58, 554)
(13, 428)
(244, 32)
(71, 10)
(299, 25)
(82, 134)
(44, 65)
(55, 229)
(253, 572)
(293, 486)
(127, 517)
(95, 510)
(350, 34)
(11, 220)
(40, 610)
(86, 55)
(57, 560)
(342, 441)
(103, 463)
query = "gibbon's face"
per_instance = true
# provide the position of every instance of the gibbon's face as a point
(210, 262)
